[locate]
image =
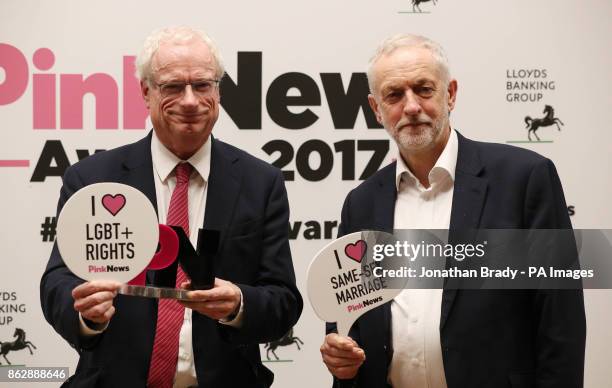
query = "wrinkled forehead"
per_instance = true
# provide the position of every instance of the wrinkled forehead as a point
(193, 56)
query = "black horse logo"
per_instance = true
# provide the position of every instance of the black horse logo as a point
(19, 344)
(287, 339)
(548, 120)
(415, 4)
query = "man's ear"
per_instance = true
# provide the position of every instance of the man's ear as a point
(375, 107)
(452, 94)
(145, 90)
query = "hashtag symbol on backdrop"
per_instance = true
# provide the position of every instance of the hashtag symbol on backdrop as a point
(47, 230)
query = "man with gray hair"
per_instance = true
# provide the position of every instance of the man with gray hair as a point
(453, 338)
(195, 181)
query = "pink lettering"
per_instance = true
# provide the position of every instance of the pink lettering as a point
(72, 90)
(43, 96)
(15, 74)
(354, 307)
(93, 268)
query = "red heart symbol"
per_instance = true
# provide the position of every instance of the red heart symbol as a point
(356, 251)
(113, 203)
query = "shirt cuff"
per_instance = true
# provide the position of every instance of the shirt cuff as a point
(89, 331)
(235, 321)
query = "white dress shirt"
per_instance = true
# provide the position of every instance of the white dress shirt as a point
(415, 314)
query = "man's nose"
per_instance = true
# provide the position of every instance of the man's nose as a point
(189, 98)
(412, 105)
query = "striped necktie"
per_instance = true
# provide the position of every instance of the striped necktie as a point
(170, 313)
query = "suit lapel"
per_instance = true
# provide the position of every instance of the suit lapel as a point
(138, 173)
(223, 188)
(384, 204)
(138, 169)
(468, 199)
(384, 212)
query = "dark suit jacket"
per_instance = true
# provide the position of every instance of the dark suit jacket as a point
(489, 338)
(247, 202)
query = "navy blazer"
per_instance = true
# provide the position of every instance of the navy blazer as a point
(247, 202)
(489, 338)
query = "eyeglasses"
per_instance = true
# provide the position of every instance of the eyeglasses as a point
(201, 88)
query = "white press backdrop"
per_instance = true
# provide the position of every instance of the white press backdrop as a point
(558, 50)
